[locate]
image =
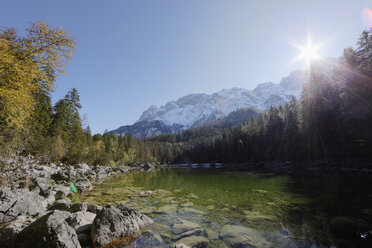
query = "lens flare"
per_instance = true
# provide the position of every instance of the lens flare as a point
(367, 17)
(308, 52)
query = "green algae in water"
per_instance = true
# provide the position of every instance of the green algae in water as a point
(289, 210)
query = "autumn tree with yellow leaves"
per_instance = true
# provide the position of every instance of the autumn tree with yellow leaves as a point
(29, 64)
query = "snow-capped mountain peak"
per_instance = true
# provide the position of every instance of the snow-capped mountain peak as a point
(190, 109)
(194, 110)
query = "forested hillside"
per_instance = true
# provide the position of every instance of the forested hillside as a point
(332, 119)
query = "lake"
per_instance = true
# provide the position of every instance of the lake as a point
(238, 209)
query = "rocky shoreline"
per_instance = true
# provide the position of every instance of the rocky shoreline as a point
(36, 208)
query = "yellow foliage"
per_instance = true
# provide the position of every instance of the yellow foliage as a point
(59, 148)
(28, 64)
(99, 146)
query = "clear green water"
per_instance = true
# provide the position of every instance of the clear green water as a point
(297, 210)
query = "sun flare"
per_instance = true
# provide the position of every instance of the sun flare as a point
(308, 52)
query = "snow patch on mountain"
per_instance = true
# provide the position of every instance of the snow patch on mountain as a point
(196, 109)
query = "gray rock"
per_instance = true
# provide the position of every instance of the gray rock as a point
(240, 236)
(82, 221)
(24, 202)
(76, 207)
(82, 168)
(61, 192)
(113, 224)
(84, 239)
(50, 198)
(60, 176)
(121, 169)
(66, 205)
(93, 208)
(71, 173)
(83, 184)
(50, 231)
(64, 200)
(61, 205)
(5, 218)
(9, 231)
(6, 192)
(40, 182)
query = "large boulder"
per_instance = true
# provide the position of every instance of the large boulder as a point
(115, 224)
(241, 237)
(50, 231)
(20, 202)
(8, 231)
(82, 221)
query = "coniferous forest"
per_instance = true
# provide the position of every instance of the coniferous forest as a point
(332, 120)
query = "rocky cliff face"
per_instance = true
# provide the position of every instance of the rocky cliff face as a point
(195, 110)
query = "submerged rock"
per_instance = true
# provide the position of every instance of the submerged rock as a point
(149, 239)
(181, 226)
(241, 237)
(180, 245)
(166, 209)
(193, 242)
(113, 224)
(212, 235)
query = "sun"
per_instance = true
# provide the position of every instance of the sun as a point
(309, 52)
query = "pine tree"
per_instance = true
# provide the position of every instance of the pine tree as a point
(66, 127)
(38, 137)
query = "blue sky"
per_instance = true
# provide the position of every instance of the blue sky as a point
(133, 54)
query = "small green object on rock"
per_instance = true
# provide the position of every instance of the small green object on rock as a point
(73, 188)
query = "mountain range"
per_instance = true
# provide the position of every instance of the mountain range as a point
(195, 110)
